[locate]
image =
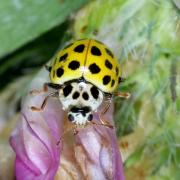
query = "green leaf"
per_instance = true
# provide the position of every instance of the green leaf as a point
(22, 21)
(27, 59)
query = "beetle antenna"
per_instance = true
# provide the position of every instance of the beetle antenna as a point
(75, 132)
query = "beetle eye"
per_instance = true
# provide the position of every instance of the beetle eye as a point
(90, 117)
(71, 117)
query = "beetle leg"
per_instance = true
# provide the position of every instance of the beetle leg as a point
(106, 108)
(121, 94)
(54, 94)
(103, 121)
(36, 91)
(75, 132)
(102, 124)
(45, 88)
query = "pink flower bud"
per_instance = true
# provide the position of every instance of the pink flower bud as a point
(91, 154)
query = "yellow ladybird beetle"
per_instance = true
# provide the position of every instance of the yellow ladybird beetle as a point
(84, 74)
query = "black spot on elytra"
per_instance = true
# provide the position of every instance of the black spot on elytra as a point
(112, 83)
(109, 52)
(79, 48)
(95, 51)
(106, 79)
(63, 57)
(117, 71)
(108, 64)
(59, 72)
(73, 65)
(85, 96)
(120, 79)
(76, 95)
(94, 92)
(67, 90)
(94, 68)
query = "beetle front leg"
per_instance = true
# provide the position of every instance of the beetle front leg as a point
(36, 91)
(45, 88)
(75, 132)
(103, 121)
(41, 108)
(121, 94)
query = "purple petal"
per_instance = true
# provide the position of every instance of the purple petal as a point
(101, 148)
(91, 154)
(35, 141)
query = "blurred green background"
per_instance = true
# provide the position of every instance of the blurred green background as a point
(144, 35)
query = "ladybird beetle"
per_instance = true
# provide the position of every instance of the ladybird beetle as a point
(84, 74)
